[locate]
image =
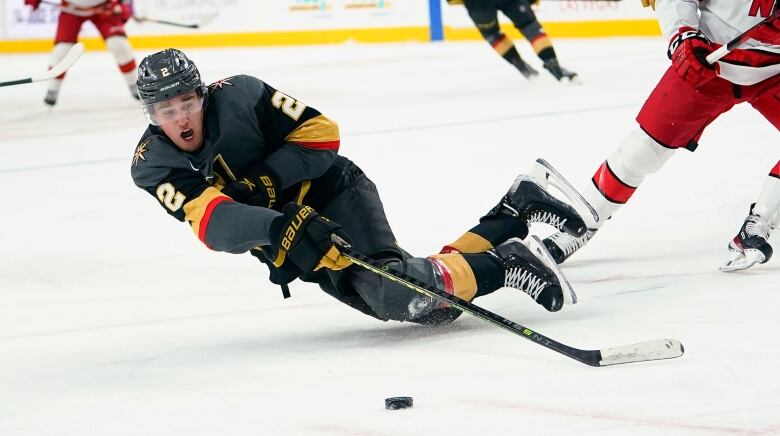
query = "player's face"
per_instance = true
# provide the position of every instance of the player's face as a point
(181, 119)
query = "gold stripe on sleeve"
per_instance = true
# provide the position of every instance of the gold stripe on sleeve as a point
(195, 210)
(317, 129)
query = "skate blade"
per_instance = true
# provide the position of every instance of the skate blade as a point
(546, 176)
(536, 245)
(741, 261)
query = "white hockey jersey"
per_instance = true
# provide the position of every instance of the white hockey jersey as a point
(721, 21)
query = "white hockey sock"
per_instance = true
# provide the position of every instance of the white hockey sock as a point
(58, 54)
(768, 203)
(123, 53)
(624, 170)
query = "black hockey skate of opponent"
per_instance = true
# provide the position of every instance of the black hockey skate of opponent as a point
(250, 168)
(484, 13)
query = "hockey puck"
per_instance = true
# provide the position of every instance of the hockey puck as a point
(395, 403)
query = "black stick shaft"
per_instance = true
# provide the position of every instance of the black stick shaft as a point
(169, 23)
(588, 357)
(16, 82)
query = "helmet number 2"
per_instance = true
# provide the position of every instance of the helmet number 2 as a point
(169, 197)
(290, 106)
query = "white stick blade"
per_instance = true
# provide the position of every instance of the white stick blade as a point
(73, 55)
(207, 19)
(641, 352)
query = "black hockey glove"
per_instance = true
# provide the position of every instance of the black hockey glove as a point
(305, 238)
(259, 187)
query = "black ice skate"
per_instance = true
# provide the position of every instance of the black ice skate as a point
(561, 245)
(560, 73)
(51, 97)
(751, 245)
(526, 70)
(529, 201)
(527, 272)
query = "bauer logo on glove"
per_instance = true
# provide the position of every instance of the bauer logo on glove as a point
(306, 239)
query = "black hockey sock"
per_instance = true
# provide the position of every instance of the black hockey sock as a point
(488, 272)
(491, 231)
(499, 228)
(513, 57)
(546, 54)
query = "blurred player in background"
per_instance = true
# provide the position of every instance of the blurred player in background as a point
(246, 166)
(484, 13)
(109, 17)
(691, 94)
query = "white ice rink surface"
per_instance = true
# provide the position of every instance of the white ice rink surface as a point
(115, 320)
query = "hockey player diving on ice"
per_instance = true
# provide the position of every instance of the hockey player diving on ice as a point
(252, 169)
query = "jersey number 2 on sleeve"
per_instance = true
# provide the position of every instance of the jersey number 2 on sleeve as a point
(290, 106)
(169, 197)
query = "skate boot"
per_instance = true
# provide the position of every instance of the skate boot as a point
(530, 202)
(557, 71)
(561, 245)
(51, 97)
(528, 273)
(526, 70)
(751, 245)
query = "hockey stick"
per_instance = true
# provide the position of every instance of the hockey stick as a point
(641, 352)
(203, 22)
(70, 58)
(723, 50)
(141, 19)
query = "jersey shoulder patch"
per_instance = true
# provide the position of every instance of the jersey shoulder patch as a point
(154, 158)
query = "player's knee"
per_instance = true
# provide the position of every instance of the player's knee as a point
(494, 37)
(120, 47)
(59, 52)
(530, 28)
(638, 156)
(400, 303)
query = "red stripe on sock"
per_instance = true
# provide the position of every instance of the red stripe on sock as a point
(128, 67)
(448, 249)
(61, 76)
(498, 41)
(610, 186)
(444, 273)
(204, 221)
(775, 171)
(538, 37)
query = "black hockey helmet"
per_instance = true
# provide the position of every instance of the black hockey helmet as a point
(165, 75)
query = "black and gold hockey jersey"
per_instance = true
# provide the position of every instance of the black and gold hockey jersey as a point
(246, 122)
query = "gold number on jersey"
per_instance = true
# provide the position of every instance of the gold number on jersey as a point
(290, 106)
(169, 197)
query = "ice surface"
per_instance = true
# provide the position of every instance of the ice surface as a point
(115, 320)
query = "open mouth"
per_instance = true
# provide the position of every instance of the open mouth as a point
(187, 134)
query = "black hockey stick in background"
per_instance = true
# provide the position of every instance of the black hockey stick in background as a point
(202, 22)
(741, 39)
(70, 58)
(641, 352)
(142, 19)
